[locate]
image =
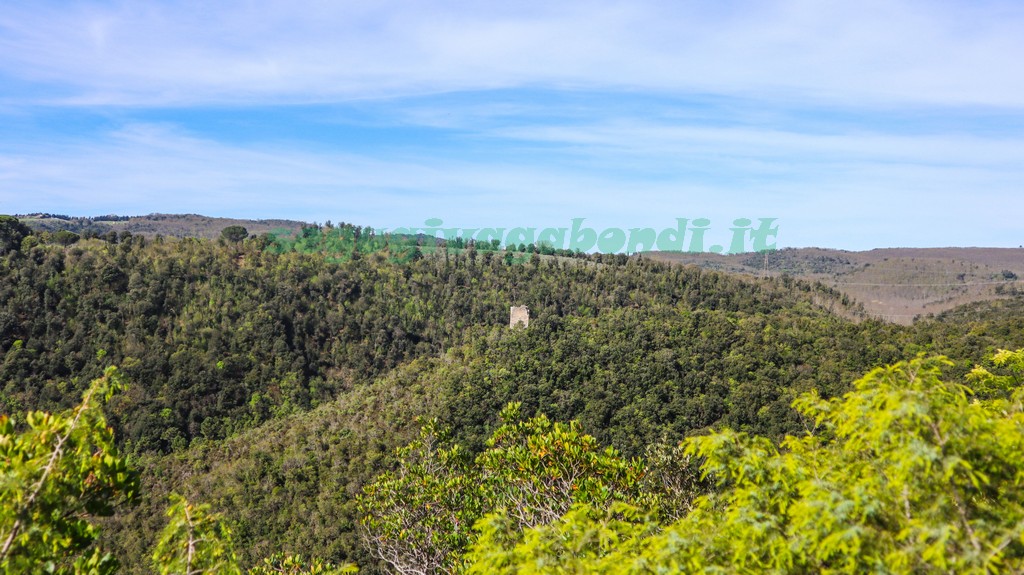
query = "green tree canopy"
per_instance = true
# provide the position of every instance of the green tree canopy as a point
(12, 231)
(57, 473)
(234, 233)
(419, 518)
(194, 542)
(65, 237)
(907, 473)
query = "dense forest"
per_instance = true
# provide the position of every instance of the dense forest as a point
(292, 390)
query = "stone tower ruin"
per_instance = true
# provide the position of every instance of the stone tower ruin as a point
(519, 315)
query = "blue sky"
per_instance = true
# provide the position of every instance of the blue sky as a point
(856, 124)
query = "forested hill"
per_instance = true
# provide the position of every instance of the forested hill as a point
(275, 385)
(894, 284)
(635, 379)
(221, 336)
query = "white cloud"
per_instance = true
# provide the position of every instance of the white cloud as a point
(854, 193)
(660, 142)
(189, 52)
(777, 78)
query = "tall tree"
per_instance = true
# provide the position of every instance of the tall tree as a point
(234, 233)
(12, 231)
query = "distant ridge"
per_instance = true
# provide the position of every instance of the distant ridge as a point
(171, 225)
(894, 284)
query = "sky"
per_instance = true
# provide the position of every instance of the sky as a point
(856, 125)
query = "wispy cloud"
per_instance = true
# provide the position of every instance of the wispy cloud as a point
(859, 125)
(165, 168)
(826, 190)
(295, 51)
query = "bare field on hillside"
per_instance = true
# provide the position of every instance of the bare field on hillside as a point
(895, 284)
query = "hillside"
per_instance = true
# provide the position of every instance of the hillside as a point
(894, 284)
(276, 382)
(170, 225)
(632, 377)
(226, 336)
